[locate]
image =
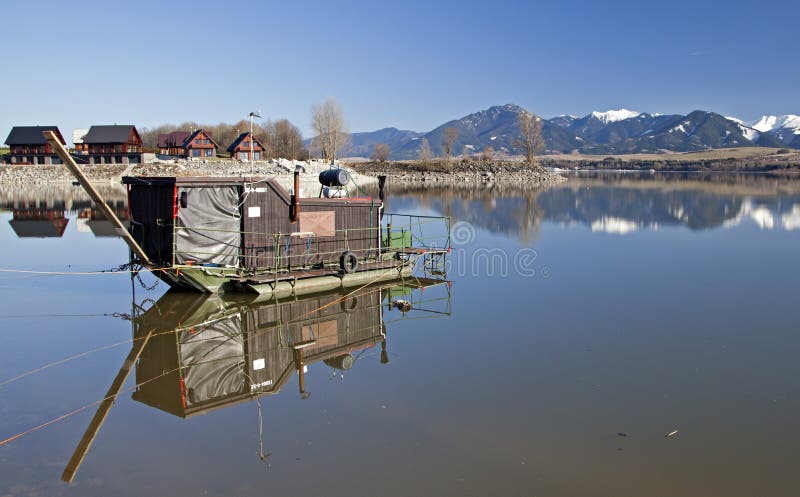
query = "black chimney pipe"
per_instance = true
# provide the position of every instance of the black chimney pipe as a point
(294, 209)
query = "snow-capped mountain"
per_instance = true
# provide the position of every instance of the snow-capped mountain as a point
(612, 116)
(786, 127)
(618, 131)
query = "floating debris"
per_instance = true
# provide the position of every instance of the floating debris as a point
(671, 434)
(622, 434)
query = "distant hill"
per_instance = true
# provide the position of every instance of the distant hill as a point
(610, 132)
(363, 144)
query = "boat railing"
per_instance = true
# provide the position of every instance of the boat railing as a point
(278, 251)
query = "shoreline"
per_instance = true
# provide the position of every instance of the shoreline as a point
(470, 173)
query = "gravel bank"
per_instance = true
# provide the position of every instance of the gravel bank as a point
(20, 177)
(462, 172)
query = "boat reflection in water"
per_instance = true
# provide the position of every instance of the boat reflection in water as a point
(194, 353)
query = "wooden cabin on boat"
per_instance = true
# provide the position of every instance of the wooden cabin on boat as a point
(248, 226)
(240, 148)
(28, 145)
(196, 144)
(114, 144)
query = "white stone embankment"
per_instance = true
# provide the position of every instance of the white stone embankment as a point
(35, 176)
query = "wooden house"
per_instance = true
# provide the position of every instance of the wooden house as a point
(200, 144)
(196, 144)
(172, 143)
(28, 145)
(240, 148)
(114, 144)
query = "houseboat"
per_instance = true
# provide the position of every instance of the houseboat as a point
(215, 234)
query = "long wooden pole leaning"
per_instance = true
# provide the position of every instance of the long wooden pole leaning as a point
(76, 171)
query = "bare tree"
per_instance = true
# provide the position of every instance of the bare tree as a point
(327, 121)
(425, 154)
(488, 153)
(381, 152)
(284, 140)
(530, 137)
(450, 135)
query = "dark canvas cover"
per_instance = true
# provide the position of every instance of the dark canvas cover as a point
(151, 209)
(208, 228)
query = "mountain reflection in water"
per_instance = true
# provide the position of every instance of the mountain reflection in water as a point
(617, 203)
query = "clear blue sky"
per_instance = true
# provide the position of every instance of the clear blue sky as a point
(413, 65)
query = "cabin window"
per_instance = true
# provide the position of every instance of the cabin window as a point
(256, 155)
(40, 160)
(209, 152)
(242, 155)
(195, 153)
(56, 160)
(118, 159)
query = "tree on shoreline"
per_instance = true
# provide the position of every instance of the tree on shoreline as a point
(425, 154)
(450, 135)
(381, 152)
(330, 129)
(530, 135)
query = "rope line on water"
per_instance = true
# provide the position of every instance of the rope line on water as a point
(171, 371)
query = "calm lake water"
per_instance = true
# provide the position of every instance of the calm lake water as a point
(584, 323)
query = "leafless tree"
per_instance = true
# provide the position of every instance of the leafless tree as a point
(425, 154)
(328, 123)
(284, 140)
(487, 154)
(381, 152)
(530, 134)
(450, 135)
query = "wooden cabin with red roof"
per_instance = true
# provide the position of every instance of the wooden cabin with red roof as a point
(197, 144)
(240, 148)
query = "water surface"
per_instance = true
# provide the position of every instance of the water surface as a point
(583, 324)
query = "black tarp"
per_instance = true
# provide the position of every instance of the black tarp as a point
(208, 228)
(151, 208)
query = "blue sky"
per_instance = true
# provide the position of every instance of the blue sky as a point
(413, 65)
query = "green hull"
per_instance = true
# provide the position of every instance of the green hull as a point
(217, 280)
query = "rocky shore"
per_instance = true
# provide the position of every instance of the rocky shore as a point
(462, 173)
(440, 173)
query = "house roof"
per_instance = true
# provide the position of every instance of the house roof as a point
(31, 135)
(174, 139)
(197, 132)
(39, 228)
(109, 134)
(237, 141)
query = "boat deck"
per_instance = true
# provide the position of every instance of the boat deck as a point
(300, 274)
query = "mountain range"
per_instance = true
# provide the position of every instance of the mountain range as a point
(611, 132)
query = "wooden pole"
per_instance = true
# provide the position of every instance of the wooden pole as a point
(76, 171)
(102, 412)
